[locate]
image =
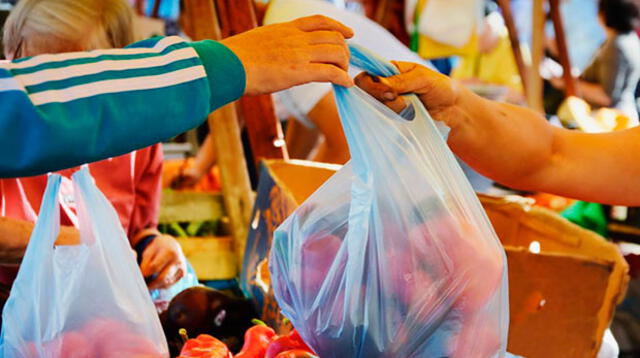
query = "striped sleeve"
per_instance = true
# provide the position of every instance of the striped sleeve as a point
(59, 111)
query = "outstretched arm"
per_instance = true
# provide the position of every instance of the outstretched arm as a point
(517, 146)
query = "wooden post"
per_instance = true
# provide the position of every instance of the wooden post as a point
(156, 8)
(265, 133)
(505, 6)
(202, 21)
(534, 83)
(138, 6)
(563, 50)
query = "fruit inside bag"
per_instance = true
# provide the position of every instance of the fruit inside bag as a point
(393, 256)
(86, 300)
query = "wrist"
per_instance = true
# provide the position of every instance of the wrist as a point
(225, 71)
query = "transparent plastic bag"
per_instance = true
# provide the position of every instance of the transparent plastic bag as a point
(393, 256)
(86, 300)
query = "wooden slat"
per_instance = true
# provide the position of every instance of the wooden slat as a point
(156, 8)
(563, 51)
(507, 14)
(138, 6)
(225, 132)
(236, 187)
(199, 20)
(178, 206)
(265, 133)
(534, 83)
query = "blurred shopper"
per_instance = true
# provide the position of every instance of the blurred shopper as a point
(131, 182)
(611, 78)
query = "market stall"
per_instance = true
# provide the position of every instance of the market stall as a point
(391, 254)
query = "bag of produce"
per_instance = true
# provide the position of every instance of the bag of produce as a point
(86, 300)
(393, 256)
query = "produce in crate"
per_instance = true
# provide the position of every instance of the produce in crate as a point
(205, 346)
(202, 310)
(289, 342)
(296, 353)
(256, 341)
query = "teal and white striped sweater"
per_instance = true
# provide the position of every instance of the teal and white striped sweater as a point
(59, 111)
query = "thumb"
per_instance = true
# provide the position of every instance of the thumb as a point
(424, 82)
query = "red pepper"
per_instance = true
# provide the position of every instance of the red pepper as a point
(286, 343)
(256, 340)
(205, 346)
(296, 353)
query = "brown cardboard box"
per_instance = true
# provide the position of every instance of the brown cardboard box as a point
(562, 296)
(561, 299)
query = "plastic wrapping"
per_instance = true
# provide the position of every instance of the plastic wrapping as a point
(86, 300)
(393, 256)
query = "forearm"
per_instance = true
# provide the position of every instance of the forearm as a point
(59, 111)
(206, 157)
(517, 147)
(593, 93)
(507, 143)
(15, 234)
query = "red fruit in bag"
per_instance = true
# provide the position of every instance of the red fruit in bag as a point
(111, 338)
(285, 343)
(467, 263)
(205, 346)
(318, 253)
(296, 353)
(256, 340)
(477, 337)
(71, 344)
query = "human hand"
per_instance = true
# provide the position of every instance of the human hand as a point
(439, 94)
(163, 260)
(280, 56)
(186, 179)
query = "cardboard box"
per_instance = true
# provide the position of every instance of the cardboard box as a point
(282, 187)
(564, 282)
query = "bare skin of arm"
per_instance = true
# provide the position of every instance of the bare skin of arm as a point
(15, 234)
(517, 146)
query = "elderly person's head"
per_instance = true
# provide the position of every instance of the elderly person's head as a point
(621, 16)
(53, 26)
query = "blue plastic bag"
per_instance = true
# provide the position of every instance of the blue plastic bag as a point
(86, 300)
(393, 256)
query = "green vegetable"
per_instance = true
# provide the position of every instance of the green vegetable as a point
(178, 231)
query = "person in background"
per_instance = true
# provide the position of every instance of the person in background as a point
(493, 62)
(611, 78)
(131, 182)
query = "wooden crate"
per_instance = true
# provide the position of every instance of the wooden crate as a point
(213, 258)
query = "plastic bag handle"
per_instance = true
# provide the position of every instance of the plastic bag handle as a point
(48, 222)
(370, 62)
(94, 209)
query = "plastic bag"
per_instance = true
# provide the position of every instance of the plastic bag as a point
(86, 300)
(393, 256)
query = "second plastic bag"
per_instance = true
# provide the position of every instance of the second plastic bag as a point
(86, 300)
(393, 256)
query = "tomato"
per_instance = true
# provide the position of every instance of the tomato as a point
(296, 353)
(205, 346)
(256, 340)
(286, 343)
